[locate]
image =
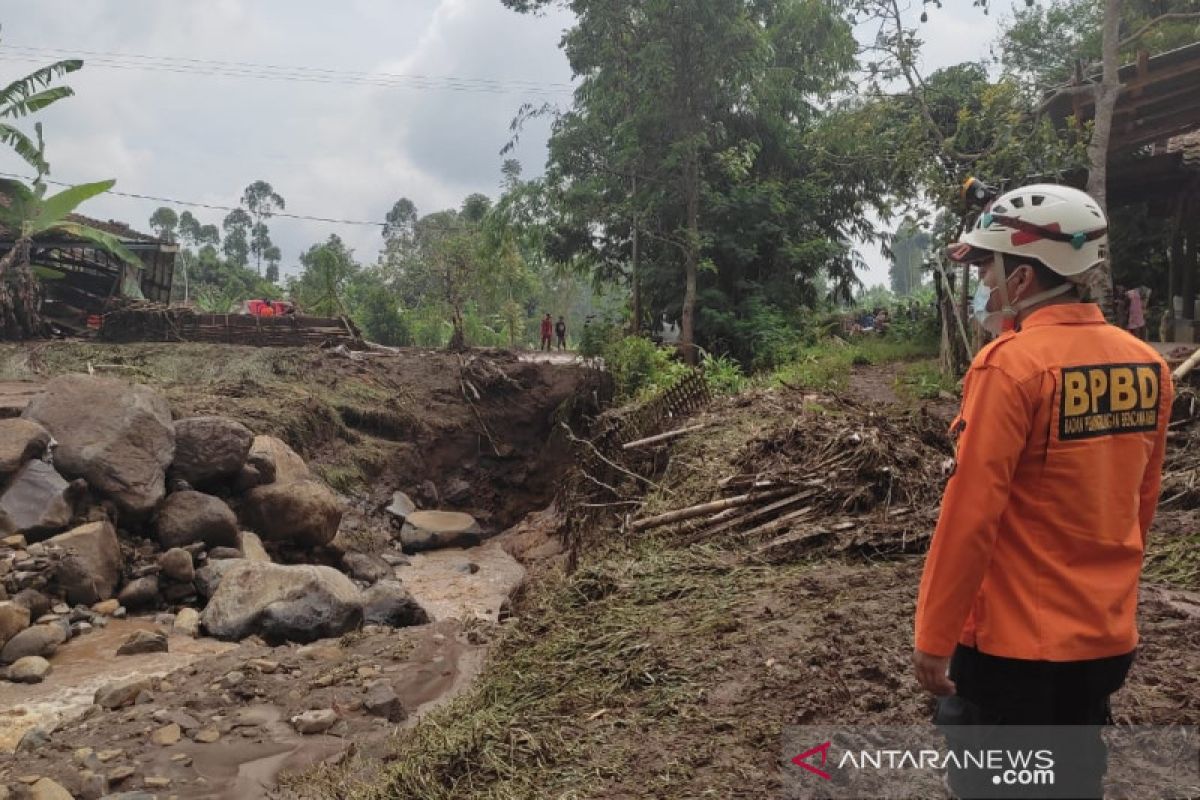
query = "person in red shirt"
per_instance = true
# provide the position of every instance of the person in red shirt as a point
(1029, 591)
(547, 331)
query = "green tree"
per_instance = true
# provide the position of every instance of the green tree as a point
(273, 256)
(262, 201)
(908, 248)
(683, 163)
(327, 271)
(164, 222)
(237, 225)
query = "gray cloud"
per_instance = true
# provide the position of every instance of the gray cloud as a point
(345, 151)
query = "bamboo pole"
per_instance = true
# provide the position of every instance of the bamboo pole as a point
(1183, 369)
(757, 514)
(679, 515)
(662, 437)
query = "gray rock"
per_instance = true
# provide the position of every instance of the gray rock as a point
(389, 603)
(317, 721)
(91, 568)
(208, 577)
(14, 618)
(38, 502)
(430, 530)
(30, 669)
(38, 640)
(140, 594)
(141, 642)
(187, 622)
(188, 517)
(282, 603)
(457, 491)
(37, 603)
(381, 701)
(401, 506)
(179, 592)
(20, 441)
(274, 459)
(116, 436)
(121, 693)
(177, 565)
(209, 449)
(92, 785)
(303, 513)
(366, 567)
(252, 548)
(395, 559)
(35, 740)
(225, 553)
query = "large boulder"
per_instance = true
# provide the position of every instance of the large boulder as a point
(303, 513)
(20, 441)
(14, 618)
(430, 530)
(40, 640)
(209, 448)
(389, 603)
(282, 603)
(91, 566)
(187, 517)
(116, 436)
(37, 502)
(277, 462)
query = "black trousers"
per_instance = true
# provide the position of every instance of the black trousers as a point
(994, 693)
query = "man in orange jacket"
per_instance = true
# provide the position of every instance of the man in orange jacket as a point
(1030, 586)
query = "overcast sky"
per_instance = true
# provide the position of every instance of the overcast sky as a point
(338, 148)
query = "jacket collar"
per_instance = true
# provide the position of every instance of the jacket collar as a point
(1065, 314)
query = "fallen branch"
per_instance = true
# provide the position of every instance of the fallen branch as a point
(776, 524)
(576, 440)
(791, 541)
(757, 514)
(679, 515)
(662, 437)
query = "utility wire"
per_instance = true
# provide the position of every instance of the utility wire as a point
(59, 51)
(286, 73)
(210, 206)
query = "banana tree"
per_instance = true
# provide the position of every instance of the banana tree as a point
(26, 96)
(28, 213)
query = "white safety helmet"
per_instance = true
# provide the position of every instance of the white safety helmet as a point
(1062, 227)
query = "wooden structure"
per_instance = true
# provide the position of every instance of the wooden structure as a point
(1154, 158)
(689, 394)
(80, 279)
(145, 322)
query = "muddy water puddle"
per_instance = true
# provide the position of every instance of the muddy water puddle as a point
(425, 666)
(83, 665)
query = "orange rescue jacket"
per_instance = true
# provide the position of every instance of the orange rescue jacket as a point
(1043, 524)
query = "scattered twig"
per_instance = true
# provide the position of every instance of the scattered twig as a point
(595, 451)
(662, 437)
(691, 512)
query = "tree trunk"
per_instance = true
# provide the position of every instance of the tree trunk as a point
(1100, 280)
(687, 338)
(635, 277)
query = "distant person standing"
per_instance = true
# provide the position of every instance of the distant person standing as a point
(547, 327)
(1137, 314)
(560, 331)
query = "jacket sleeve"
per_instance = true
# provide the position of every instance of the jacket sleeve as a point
(998, 417)
(1152, 480)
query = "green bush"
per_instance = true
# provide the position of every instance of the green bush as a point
(723, 374)
(378, 314)
(639, 367)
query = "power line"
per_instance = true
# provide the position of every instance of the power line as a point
(241, 69)
(210, 206)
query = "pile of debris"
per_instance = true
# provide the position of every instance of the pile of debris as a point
(109, 507)
(856, 481)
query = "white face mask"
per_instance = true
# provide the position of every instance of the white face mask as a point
(993, 321)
